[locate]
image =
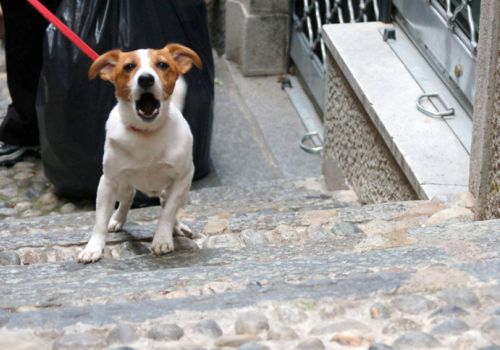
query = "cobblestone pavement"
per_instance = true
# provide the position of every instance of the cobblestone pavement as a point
(279, 265)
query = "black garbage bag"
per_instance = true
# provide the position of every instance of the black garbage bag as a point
(72, 111)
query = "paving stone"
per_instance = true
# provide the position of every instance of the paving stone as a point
(165, 332)
(450, 327)
(413, 304)
(415, 340)
(253, 346)
(310, 344)
(492, 329)
(472, 339)
(7, 212)
(79, 341)
(9, 258)
(451, 215)
(460, 296)
(184, 243)
(490, 347)
(209, 328)
(122, 333)
(251, 323)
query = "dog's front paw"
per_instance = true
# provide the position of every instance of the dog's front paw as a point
(115, 225)
(91, 253)
(162, 245)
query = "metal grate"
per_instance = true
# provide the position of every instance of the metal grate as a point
(463, 14)
(310, 15)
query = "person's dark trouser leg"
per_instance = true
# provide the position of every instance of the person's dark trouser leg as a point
(24, 32)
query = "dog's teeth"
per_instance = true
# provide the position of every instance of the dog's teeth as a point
(141, 113)
(155, 111)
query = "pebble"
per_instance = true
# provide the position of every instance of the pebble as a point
(451, 326)
(290, 315)
(416, 340)
(380, 346)
(22, 206)
(79, 341)
(165, 332)
(490, 347)
(352, 338)
(310, 344)
(253, 346)
(340, 326)
(31, 213)
(345, 229)
(48, 198)
(134, 247)
(381, 311)
(7, 212)
(332, 311)
(251, 322)
(123, 334)
(492, 329)
(449, 310)
(413, 304)
(400, 325)
(9, 258)
(451, 215)
(9, 191)
(67, 208)
(184, 243)
(235, 340)
(461, 297)
(253, 238)
(209, 328)
(282, 333)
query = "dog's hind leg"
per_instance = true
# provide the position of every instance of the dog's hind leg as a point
(125, 199)
(104, 208)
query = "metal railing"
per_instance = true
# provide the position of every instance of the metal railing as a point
(463, 14)
(310, 15)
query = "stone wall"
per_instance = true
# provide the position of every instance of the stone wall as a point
(485, 155)
(352, 141)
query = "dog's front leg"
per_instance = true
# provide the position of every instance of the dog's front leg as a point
(175, 197)
(105, 203)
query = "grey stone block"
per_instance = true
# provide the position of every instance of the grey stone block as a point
(258, 41)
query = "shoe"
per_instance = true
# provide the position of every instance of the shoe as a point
(11, 154)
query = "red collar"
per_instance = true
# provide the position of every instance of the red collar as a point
(140, 131)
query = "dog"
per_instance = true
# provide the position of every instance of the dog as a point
(148, 145)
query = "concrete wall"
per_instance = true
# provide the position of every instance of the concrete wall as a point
(257, 35)
(485, 156)
(352, 142)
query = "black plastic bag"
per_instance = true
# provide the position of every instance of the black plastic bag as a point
(72, 111)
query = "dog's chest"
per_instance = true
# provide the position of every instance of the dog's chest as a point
(151, 180)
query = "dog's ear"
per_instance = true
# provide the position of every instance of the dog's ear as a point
(104, 65)
(184, 57)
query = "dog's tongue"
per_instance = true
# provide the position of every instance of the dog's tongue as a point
(147, 105)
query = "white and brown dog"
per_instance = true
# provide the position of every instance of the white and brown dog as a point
(148, 142)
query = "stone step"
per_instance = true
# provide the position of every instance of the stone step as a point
(60, 238)
(339, 290)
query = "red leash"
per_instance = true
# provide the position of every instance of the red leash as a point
(68, 33)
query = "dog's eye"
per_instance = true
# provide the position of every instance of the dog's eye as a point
(129, 67)
(162, 65)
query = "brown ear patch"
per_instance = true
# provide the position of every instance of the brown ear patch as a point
(184, 57)
(104, 65)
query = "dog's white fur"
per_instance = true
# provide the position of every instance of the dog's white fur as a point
(154, 157)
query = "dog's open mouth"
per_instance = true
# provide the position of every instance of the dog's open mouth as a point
(147, 106)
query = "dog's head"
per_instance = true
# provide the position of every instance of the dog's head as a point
(145, 79)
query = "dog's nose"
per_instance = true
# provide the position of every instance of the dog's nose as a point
(146, 81)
